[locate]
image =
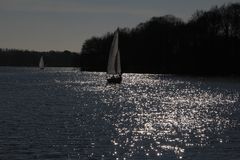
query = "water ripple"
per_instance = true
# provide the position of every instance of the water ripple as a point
(66, 114)
(156, 116)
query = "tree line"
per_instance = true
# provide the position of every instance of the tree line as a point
(16, 57)
(209, 43)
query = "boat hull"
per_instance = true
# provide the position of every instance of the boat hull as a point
(114, 80)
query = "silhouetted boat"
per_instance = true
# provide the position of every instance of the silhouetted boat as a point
(114, 74)
(41, 63)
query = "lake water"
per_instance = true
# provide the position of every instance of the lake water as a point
(65, 114)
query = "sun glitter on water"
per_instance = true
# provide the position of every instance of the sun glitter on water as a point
(157, 116)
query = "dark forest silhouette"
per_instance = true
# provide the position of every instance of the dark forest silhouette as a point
(209, 43)
(15, 57)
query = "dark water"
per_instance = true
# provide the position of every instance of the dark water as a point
(64, 114)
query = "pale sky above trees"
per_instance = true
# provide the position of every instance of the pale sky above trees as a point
(65, 24)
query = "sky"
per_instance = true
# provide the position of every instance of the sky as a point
(45, 25)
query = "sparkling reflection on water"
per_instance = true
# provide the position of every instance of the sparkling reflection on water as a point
(166, 115)
(66, 114)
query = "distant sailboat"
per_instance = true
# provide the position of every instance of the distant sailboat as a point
(41, 63)
(114, 64)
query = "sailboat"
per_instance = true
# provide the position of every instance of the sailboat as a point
(114, 74)
(41, 63)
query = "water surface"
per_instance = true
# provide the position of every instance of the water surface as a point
(62, 113)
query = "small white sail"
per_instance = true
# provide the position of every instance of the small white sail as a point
(114, 66)
(41, 63)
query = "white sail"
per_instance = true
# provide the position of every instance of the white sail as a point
(41, 63)
(114, 66)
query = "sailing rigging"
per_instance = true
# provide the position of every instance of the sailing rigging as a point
(114, 62)
(41, 63)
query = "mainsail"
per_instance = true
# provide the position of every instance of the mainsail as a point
(41, 63)
(114, 64)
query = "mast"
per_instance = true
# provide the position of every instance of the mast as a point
(118, 63)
